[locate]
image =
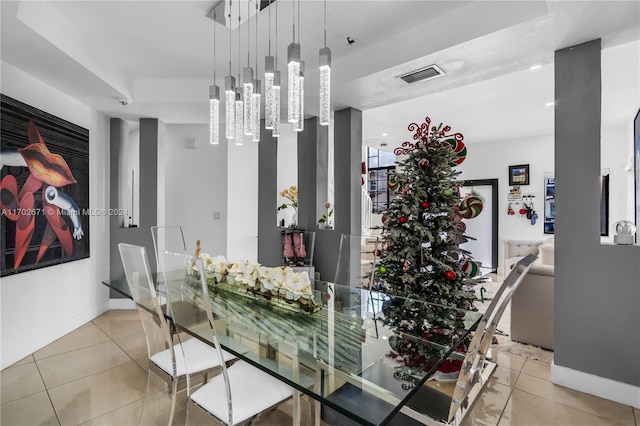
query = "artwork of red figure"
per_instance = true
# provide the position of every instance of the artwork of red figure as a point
(36, 197)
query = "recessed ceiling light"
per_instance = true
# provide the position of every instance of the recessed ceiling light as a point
(385, 134)
(550, 104)
(536, 67)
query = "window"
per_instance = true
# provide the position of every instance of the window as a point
(380, 165)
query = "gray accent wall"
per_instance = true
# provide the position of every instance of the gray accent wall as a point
(269, 244)
(148, 171)
(597, 287)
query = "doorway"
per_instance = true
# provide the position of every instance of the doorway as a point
(484, 227)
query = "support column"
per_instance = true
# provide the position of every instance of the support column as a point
(596, 294)
(268, 231)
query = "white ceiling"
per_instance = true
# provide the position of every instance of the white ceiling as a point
(160, 55)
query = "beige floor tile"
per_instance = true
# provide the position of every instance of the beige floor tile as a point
(134, 345)
(505, 376)
(20, 381)
(77, 339)
(594, 405)
(70, 366)
(490, 404)
(526, 409)
(119, 323)
(31, 410)
(90, 397)
(509, 361)
(537, 369)
(24, 360)
(156, 413)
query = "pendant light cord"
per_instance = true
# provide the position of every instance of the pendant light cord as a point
(276, 65)
(269, 28)
(214, 47)
(257, 6)
(325, 23)
(248, 33)
(230, 4)
(294, 21)
(298, 21)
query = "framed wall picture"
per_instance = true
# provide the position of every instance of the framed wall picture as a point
(45, 189)
(519, 175)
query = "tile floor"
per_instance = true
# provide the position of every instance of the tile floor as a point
(96, 375)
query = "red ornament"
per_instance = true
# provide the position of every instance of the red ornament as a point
(424, 204)
(384, 218)
(389, 248)
(378, 252)
(451, 275)
(423, 163)
(522, 211)
(403, 219)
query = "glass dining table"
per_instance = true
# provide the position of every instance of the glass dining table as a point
(347, 357)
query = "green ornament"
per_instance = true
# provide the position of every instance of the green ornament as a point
(382, 269)
(448, 192)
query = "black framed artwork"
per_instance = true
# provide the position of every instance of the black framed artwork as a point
(519, 175)
(44, 189)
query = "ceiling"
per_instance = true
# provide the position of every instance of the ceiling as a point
(160, 56)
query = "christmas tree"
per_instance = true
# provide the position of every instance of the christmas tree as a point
(421, 257)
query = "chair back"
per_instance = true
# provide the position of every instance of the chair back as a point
(168, 238)
(477, 352)
(298, 247)
(139, 278)
(188, 295)
(358, 260)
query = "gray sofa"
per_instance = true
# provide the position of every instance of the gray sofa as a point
(532, 308)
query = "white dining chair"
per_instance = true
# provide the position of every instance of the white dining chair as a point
(242, 391)
(173, 364)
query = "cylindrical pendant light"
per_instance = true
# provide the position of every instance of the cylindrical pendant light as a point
(293, 80)
(325, 77)
(239, 111)
(276, 100)
(298, 126)
(269, 69)
(255, 125)
(214, 114)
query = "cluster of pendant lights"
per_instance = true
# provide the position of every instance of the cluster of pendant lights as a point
(242, 104)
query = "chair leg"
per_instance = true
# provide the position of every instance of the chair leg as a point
(296, 408)
(174, 396)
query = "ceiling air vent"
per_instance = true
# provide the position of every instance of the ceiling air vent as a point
(426, 73)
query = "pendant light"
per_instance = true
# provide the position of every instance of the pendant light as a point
(293, 69)
(214, 98)
(299, 125)
(230, 94)
(269, 70)
(247, 79)
(276, 88)
(325, 77)
(255, 99)
(239, 103)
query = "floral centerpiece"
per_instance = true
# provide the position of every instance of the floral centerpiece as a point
(278, 284)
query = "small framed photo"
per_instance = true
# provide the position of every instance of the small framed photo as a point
(519, 175)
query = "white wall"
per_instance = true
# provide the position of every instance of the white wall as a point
(40, 306)
(195, 186)
(492, 160)
(242, 200)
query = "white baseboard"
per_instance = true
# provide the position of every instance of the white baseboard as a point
(595, 385)
(121, 304)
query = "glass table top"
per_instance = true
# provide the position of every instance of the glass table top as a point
(346, 355)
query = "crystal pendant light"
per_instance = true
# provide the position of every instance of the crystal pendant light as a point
(214, 115)
(214, 99)
(229, 105)
(298, 126)
(293, 86)
(269, 69)
(247, 82)
(325, 77)
(229, 95)
(255, 110)
(276, 100)
(239, 127)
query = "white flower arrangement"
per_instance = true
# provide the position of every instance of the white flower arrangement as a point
(278, 279)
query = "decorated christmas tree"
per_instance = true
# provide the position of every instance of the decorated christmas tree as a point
(421, 256)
